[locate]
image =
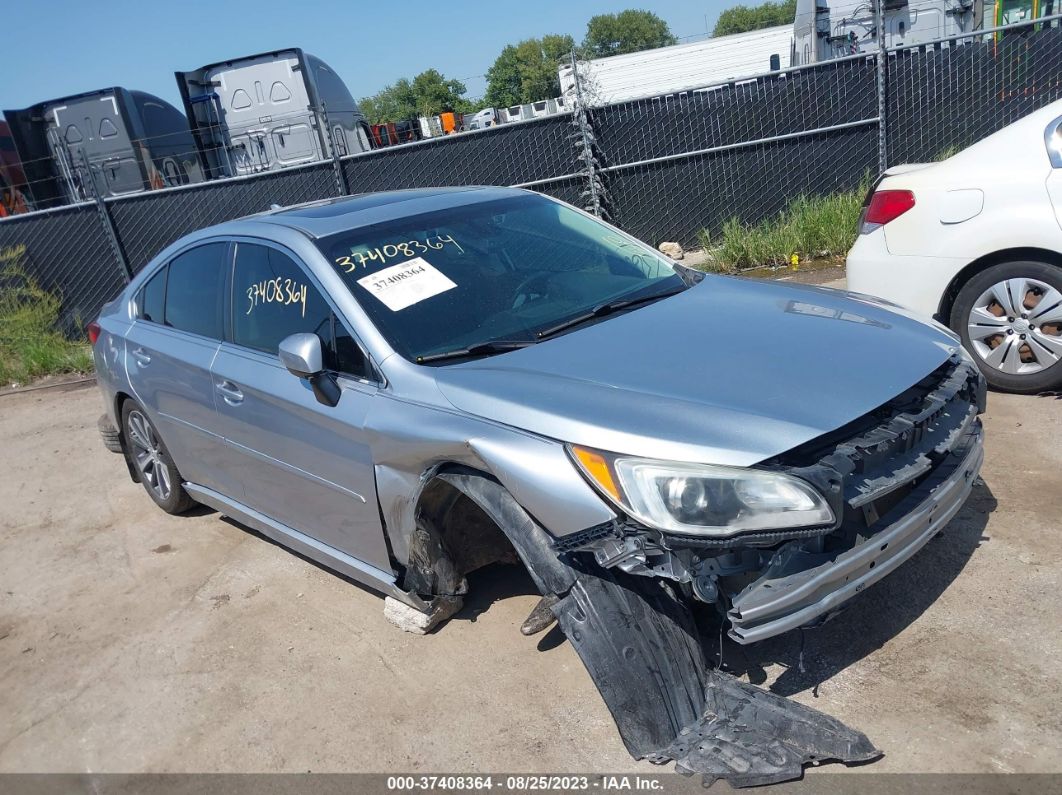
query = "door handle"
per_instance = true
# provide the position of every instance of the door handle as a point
(141, 357)
(230, 392)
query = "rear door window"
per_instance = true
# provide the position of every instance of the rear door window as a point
(195, 290)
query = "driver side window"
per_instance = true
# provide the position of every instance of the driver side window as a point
(272, 298)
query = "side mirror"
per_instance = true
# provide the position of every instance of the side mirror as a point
(301, 354)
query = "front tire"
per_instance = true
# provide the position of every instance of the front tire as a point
(152, 461)
(1010, 319)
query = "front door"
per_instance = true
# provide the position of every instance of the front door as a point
(303, 464)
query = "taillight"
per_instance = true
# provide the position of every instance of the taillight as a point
(93, 331)
(885, 206)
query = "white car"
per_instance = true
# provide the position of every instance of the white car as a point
(975, 241)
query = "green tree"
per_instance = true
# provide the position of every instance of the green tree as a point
(427, 94)
(740, 19)
(435, 94)
(527, 72)
(628, 31)
(392, 103)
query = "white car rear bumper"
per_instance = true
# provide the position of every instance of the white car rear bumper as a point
(917, 283)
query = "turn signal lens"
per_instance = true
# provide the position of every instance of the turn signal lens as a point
(93, 331)
(598, 469)
(886, 206)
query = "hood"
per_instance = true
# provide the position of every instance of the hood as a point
(732, 371)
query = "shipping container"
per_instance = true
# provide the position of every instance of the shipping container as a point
(270, 111)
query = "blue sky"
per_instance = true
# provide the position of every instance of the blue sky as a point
(59, 48)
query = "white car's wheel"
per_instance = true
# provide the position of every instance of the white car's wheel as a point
(1010, 318)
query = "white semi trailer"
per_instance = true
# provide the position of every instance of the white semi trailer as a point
(822, 30)
(681, 67)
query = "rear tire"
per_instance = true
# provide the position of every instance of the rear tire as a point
(1009, 317)
(152, 461)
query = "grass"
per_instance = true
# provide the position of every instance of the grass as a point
(948, 151)
(812, 227)
(31, 343)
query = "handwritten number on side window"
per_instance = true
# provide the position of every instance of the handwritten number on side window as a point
(286, 292)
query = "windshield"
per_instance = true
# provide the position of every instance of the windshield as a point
(503, 270)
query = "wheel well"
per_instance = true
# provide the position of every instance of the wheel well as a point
(454, 536)
(985, 262)
(119, 401)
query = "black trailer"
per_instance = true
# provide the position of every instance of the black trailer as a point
(118, 140)
(270, 111)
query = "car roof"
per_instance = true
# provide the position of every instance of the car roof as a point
(329, 216)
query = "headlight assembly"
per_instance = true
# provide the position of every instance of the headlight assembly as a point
(703, 499)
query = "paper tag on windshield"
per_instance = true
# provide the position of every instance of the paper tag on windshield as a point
(406, 283)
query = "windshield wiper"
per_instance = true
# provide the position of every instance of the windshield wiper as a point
(477, 349)
(606, 308)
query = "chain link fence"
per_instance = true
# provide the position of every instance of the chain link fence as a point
(943, 98)
(677, 164)
(663, 168)
(67, 251)
(146, 223)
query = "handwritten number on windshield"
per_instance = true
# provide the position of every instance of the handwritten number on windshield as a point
(407, 249)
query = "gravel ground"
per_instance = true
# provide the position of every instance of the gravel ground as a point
(133, 641)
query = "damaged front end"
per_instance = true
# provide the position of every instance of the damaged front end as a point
(623, 591)
(893, 479)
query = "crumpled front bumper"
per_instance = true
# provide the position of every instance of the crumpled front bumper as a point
(772, 605)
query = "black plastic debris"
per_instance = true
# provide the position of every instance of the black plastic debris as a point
(750, 737)
(641, 647)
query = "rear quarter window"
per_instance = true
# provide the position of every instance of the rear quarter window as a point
(151, 305)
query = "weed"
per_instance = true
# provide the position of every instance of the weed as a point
(31, 344)
(811, 227)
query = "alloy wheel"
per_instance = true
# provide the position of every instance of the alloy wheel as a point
(1015, 326)
(147, 453)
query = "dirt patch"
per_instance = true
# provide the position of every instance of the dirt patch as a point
(121, 656)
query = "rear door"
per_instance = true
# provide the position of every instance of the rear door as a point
(303, 464)
(169, 351)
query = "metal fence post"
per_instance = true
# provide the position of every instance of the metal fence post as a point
(337, 165)
(105, 219)
(582, 122)
(882, 67)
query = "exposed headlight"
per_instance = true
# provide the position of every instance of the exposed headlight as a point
(703, 499)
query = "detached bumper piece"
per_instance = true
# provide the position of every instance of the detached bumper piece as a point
(641, 647)
(751, 737)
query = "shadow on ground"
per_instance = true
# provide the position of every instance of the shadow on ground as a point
(492, 584)
(808, 657)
